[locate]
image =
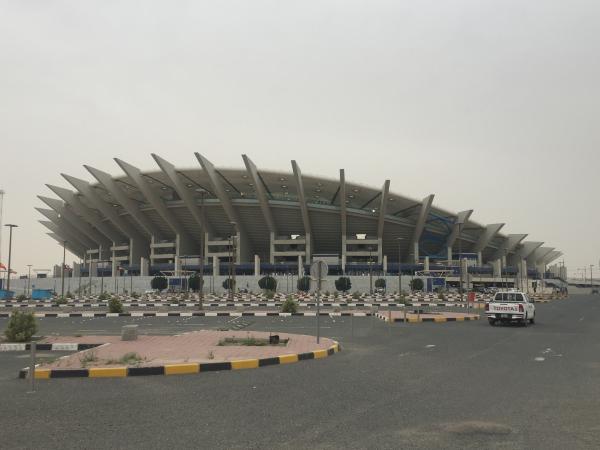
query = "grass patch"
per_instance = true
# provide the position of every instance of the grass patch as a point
(128, 359)
(87, 358)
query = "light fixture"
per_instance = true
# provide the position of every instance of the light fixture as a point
(244, 176)
(189, 185)
(283, 186)
(282, 179)
(317, 190)
(391, 199)
(163, 188)
(250, 184)
(115, 205)
(355, 190)
(350, 196)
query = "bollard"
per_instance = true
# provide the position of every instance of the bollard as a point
(32, 368)
(129, 333)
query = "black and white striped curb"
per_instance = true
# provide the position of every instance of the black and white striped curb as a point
(56, 347)
(233, 305)
(194, 314)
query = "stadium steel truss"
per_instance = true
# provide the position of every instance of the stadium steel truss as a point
(145, 222)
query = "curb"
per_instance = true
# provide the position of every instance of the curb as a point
(56, 347)
(384, 317)
(229, 305)
(194, 314)
(180, 369)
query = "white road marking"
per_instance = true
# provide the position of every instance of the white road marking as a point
(539, 358)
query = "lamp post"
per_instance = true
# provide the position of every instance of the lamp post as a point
(399, 268)
(29, 280)
(460, 261)
(231, 264)
(10, 226)
(370, 270)
(591, 279)
(202, 193)
(62, 272)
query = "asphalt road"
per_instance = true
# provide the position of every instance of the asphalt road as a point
(453, 385)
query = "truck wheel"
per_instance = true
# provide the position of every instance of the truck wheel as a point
(492, 322)
(532, 320)
(525, 320)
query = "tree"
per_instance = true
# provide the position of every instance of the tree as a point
(159, 283)
(226, 283)
(343, 284)
(380, 283)
(416, 284)
(303, 284)
(195, 283)
(268, 283)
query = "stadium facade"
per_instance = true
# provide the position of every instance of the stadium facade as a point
(176, 221)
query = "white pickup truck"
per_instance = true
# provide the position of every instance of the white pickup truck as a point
(511, 306)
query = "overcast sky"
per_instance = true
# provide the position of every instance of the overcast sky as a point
(491, 105)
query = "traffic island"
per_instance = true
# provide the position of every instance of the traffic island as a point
(189, 353)
(436, 317)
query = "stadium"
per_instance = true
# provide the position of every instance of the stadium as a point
(253, 222)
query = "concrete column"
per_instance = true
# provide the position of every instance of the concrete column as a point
(416, 252)
(379, 251)
(257, 263)
(449, 253)
(479, 259)
(144, 267)
(344, 263)
(215, 266)
(308, 248)
(113, 267)
(272, 249)
(177, 265)
(300, 266)
(385, 264)
(343, 253)
(465, 273)
(497, 264)
(504, 261)
(426, 265)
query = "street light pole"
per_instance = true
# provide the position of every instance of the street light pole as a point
(10, 226)
(201, 265)
(460, 261)
(399, 268)
(370, 271)
(591, 279)
(29, 280)
(231, 263)
(62, 272)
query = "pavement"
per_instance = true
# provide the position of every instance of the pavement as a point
(453, 386)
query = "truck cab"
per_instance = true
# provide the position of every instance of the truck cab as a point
(510, 306)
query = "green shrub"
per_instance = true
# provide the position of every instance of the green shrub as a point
(270, 295)
(226, 283)
(416, 284)
(69, 295)
(21, 297)
(336, 294)
(135, 295)
(267, 283)
(61, 301)
(380, 283)
(303, 284)
(343, 284)
(115, 305)
(356, 295)
(159, 283)
(441, 296)
(289, 306)
(195, 283)
(21, 327)
(103, 296)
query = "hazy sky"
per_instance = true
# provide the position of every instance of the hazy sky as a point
(491, 105)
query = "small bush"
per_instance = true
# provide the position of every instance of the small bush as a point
(441, 296)
(270, 295)
(135, 295)
(380, 283)
(267, 283)
(69, 295)
(21, 297)
(103, 296)
(416, 284)
(159, 282)
(343, 284)
(115, 305)
(356, 295)
(21, 327)
(195, 283)
(303, 284)
(336, 294)
(289, 306)
(61, 301)
(226, 283)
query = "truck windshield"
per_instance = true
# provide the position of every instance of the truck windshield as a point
(509, 297)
